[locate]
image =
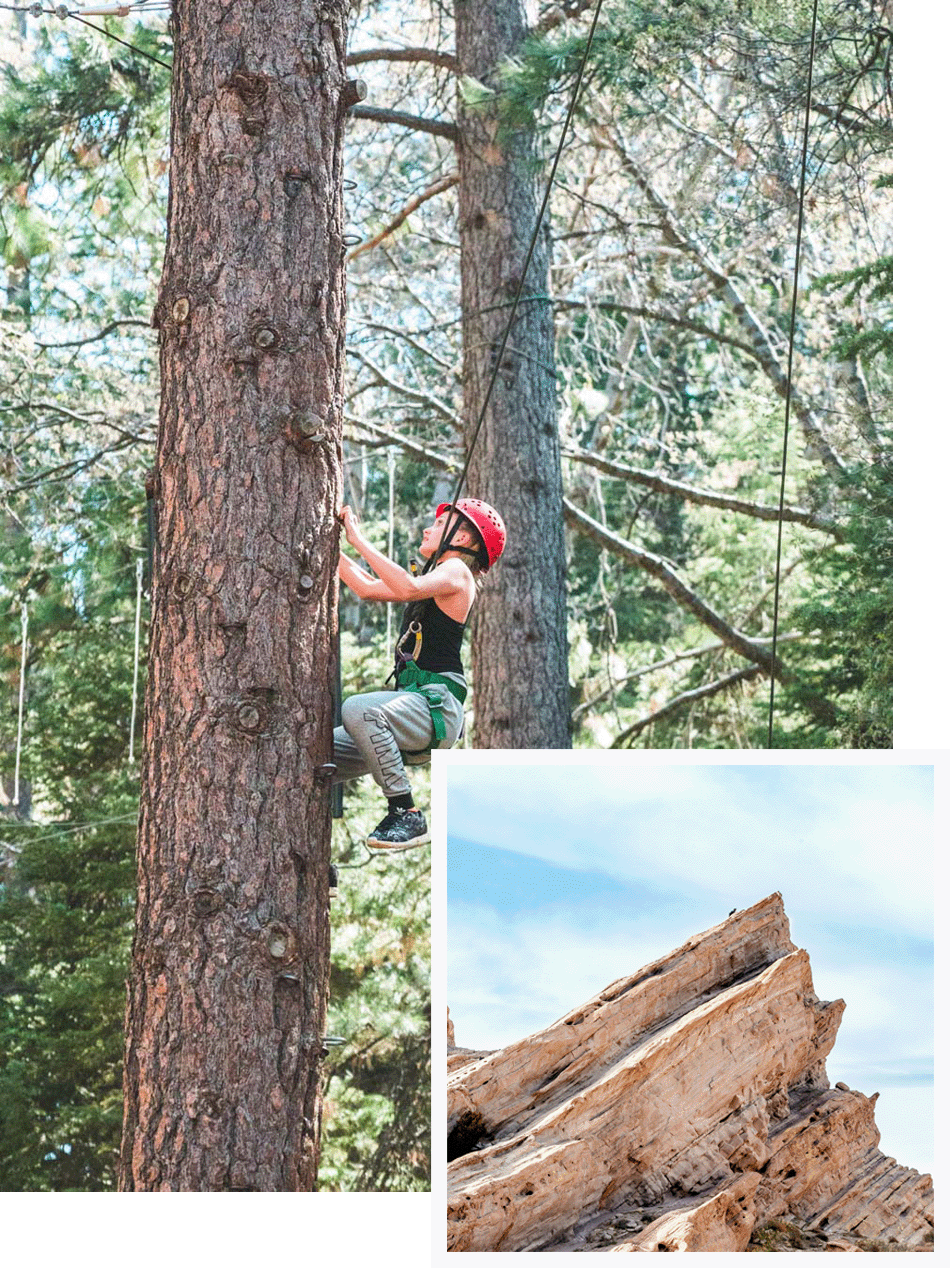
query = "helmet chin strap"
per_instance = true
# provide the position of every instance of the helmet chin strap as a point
(445, 543)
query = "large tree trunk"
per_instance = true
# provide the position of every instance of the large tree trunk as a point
(519, 644)
(230, 958)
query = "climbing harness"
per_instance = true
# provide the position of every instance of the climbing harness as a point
(400, 656)
(426, 683)
(788, 372)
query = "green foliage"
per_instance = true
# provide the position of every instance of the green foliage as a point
(849, 610)
(777, 1235)
(65, 923)
(875, 283)
(90, 95)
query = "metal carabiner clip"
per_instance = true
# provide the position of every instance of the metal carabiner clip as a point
(413, 630)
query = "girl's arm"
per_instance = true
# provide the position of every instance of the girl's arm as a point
(359, 581)
(395, 584)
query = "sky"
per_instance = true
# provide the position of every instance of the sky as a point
(565, 874)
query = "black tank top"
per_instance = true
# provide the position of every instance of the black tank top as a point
(440, 652)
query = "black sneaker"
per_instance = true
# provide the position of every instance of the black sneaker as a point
(400, 830)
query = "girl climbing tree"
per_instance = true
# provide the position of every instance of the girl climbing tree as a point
(383, 729)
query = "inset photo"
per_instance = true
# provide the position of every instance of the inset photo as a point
(690, 1004)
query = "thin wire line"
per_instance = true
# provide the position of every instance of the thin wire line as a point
(524, 273)
(24, 621)
(788, 372)
(63, 832)
(62, 14)
(135, 49)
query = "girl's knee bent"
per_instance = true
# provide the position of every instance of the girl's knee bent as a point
(353, 711)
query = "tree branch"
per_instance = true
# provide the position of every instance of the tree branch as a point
(702, 497)
(676, 588)
(447, 60)
(415, 343)
(98, 419)
(76, 343)
(412, 205)
(688, 697)
(414, 447)
(671, 319)
(677, 235)
(66, 470)
(676, 658)
(558, 14)
(414, 122)
(415, 394)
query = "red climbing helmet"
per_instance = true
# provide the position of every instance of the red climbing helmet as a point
(490, 525)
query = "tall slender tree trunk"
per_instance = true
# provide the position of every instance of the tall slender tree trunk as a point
(230, 958)
(519, 642)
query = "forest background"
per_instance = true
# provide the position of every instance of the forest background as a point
(672, 231)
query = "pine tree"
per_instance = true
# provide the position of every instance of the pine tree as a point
(230, 957)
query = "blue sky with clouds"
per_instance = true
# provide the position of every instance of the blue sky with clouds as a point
(566, 873)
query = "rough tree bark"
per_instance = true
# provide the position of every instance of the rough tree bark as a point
(230, 957)
(519, 642)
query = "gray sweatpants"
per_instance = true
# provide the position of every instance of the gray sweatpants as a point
(385, 731)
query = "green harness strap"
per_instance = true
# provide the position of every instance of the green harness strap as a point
(412, 678)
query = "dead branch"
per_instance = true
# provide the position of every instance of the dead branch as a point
(377, 114)
(66, 470)
(446, 60)
(677, 589)
(706, 650)
(76, 343)
(412, 205)
(671, 319)
(414, 394)
(688, 697)
(702, 497)
(414, 447)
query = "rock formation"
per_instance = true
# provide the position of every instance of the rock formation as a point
(681, 1109)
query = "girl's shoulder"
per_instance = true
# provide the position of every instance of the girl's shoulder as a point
(457, 569)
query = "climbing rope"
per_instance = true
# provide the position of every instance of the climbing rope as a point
(391, 464)
(24, 623)
(788, 372)
(524, 273)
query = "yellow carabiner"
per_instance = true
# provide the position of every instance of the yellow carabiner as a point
(416, 629)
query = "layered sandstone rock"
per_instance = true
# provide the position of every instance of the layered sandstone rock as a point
(678, 1110)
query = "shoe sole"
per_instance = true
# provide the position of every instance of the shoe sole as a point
(394, 847)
